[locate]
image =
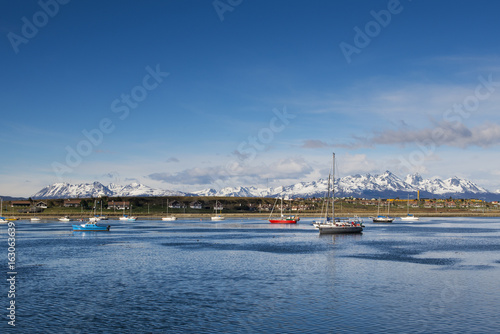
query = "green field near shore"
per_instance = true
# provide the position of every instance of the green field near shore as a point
(182, 206)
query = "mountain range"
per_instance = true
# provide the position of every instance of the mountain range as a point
(386, 185)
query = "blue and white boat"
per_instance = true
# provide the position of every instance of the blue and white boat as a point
(90, 226)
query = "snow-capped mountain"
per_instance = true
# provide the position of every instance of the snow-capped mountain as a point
(66, 190)
(96, 189)
(386, 185)
(452, 185)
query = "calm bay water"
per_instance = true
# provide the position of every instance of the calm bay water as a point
(243, 276)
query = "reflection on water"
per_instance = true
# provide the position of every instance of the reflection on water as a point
(244, 276)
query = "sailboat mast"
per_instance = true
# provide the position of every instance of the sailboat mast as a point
(333, 188)
(327, 199)
(281, 206)
(408, 205)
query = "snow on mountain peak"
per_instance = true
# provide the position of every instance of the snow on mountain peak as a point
(383, 185)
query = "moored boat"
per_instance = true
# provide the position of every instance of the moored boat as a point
(65, 219)
(128, 218)
(383, 219)
(283, 219)
(332, 225)
(217, 217)
(340, 226)
(409, 216)
(168, 218)
(90, 226)
(380, 218)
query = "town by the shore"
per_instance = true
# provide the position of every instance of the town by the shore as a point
(243, 207)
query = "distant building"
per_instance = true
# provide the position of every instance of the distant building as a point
(117, 205)
(71, 203)
(176, 205)
(41, 205)
(198, 205)
(17, 204)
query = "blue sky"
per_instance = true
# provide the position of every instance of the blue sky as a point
(188, 95)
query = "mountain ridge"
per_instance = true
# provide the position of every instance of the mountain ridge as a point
(385, 185)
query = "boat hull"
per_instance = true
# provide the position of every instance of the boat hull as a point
(283, 221)
(166, 219)
(339, 229)
(90, 228)
(218, 218)
(383, 219)
(409, 218)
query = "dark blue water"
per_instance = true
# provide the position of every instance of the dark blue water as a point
(247, 276)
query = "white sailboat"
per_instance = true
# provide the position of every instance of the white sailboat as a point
(332, 225)
(217, 217)
(127, 217)
(380, 218)
(168, 218)
(409, 216)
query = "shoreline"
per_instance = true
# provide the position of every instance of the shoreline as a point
(263, 216)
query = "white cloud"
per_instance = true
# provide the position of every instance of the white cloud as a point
(237, 173)
(443, 134)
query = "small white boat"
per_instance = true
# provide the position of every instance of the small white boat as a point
(35, 219)
(409, 216)
(65, 219)
(168, 218)
(128, 218)
(217, 217)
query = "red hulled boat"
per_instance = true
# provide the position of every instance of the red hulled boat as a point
(291, 219)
